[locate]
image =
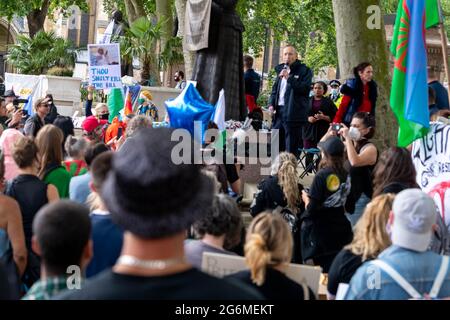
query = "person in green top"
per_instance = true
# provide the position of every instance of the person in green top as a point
(65, 252)
(49, 141)
(75, 148)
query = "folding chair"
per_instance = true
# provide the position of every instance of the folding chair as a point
(310, 167)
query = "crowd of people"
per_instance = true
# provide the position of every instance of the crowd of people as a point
(101, 204)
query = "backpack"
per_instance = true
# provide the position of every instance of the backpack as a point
(405, 285)
(288, 216)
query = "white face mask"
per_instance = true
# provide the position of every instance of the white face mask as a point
(354, 134)
(334, 92)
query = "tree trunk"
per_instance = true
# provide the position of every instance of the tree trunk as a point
(164, 13)
(135, 9)
(189, 56)
(149, 66)
(36, 19)
(357, 43)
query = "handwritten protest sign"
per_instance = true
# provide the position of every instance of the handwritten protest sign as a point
(221, 265)
(104, 66)
(431, 157)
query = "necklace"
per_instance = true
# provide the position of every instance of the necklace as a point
(149, 264)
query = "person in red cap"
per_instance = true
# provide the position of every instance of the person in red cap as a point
(93, 128)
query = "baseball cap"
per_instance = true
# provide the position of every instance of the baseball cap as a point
(414, 216)
(91, 123)
(332, 146)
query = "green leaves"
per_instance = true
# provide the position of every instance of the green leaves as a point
(292, 21)
(43, 52)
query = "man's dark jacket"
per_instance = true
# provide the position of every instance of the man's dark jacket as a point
(296, 105)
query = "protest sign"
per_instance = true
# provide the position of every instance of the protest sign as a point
(104, 66)
(431, 157)
(221, 265)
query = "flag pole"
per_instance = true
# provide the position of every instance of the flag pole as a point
(444, 42)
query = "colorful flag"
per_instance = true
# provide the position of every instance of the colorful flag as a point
(115, 102)
(219, 119)
(432, 13)
(128, 102)
(409, 92)
(28, 107)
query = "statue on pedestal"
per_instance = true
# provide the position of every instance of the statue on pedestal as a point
(219, 65)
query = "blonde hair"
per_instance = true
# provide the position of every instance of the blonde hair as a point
(98, 107)
(94, 201)
(147, 94)
(370, 236)
(268, 243)
(285, 167)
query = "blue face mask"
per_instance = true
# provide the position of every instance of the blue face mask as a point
(311, 93)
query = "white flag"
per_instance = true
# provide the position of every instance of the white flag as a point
(219, 113)
(107, 35)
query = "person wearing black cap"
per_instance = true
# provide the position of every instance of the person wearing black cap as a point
(155, 208)
(325, 229)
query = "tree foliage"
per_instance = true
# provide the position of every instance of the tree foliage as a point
(37, 10)
(306, 24)
(40, 54)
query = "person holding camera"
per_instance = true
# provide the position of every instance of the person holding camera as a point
(37, 120)
(362, 157)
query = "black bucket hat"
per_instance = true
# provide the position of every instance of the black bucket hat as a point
(148, 194)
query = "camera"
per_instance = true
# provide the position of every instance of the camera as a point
(336, 127)
(16, 102)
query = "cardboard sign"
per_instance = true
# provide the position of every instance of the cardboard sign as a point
(104, 66)
(431, 158)
(221, 265)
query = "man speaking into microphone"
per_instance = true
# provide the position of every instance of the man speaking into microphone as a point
(289, 100)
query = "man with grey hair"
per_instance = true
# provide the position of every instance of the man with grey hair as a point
(407, 269)
(134, 125)
(289, 100)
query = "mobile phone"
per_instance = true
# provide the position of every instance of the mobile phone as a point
(119, 132)
(336, 127)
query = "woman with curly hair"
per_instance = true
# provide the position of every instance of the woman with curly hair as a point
(268, 250)
(219, 230)
(394, 172)
(370, 239)
(281, 189)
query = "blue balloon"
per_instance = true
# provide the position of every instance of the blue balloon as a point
(188, 107)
